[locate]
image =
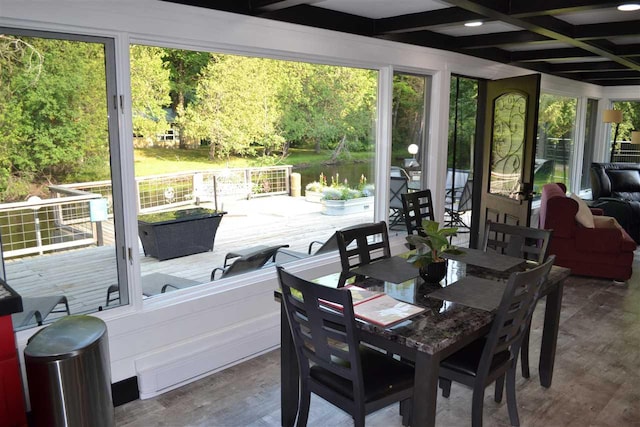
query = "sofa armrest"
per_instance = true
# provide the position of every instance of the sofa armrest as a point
(603, 240)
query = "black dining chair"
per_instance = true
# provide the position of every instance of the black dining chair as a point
(517, 241)
(528, 243)
(362, 244)
(491, 358)
(332, 361)
(417, 206)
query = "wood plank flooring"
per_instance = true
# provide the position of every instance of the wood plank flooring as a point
(596, 380)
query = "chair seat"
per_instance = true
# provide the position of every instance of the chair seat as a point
(467, 360)
(382, 376)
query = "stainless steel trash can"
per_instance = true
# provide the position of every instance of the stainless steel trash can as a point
(68, 373)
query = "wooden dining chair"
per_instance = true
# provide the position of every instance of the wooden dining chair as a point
(491, 358)
(417, 206)
(528, 243)
(362, 244)
(332, 361)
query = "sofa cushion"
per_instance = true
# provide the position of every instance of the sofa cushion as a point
(627, 181)
(605, 222)
(584, 215)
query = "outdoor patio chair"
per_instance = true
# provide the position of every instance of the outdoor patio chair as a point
(248, 262)
(398, 185)
(153, 284)
(286, 255)
(39, 308)
(457, 202)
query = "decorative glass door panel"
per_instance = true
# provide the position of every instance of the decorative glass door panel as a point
(507, 144)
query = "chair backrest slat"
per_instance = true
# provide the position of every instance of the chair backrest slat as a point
(322, 336)
(417, 206)
(363, 244)
(517, 241)
(514, 313)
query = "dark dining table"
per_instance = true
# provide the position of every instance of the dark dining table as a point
(453, 318)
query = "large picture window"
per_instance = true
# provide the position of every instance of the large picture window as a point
(236, 156)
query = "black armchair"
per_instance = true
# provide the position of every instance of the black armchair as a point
(615, 187)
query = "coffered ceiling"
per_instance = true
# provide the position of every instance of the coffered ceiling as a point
(585, 40)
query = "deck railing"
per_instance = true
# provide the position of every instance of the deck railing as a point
(73, 215)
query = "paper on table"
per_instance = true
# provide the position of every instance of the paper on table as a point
(386, 311)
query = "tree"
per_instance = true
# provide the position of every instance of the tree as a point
(59, 127)
(237, 106)
(184, 68)
(150, 86)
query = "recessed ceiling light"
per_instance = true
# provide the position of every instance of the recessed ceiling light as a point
(629, 7)
(473, 24)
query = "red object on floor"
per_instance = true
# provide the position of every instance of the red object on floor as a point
(12, 413)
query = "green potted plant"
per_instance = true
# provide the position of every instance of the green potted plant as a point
(429, 246)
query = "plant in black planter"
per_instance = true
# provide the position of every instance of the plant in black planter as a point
(430, 243)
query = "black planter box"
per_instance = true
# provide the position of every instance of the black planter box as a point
(174, 234)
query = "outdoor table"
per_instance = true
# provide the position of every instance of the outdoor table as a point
(444, 328)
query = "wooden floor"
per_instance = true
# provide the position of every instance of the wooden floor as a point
(596, 380)
(84, 275)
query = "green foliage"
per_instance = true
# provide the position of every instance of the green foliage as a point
(53, 120)
(150, 86)
(432, 245)
(464, 98)
(630, 119)
(408, 110)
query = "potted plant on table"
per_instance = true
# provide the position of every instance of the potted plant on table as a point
(430, 243)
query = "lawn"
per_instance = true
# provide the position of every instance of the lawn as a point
(155, 161)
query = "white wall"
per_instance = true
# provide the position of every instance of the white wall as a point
(186, 334)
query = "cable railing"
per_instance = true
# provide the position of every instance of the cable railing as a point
(74, 214)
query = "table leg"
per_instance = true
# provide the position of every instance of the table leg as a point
(289, 373)
(550, 335)
(425, 390)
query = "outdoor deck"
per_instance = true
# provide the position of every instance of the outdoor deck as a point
(84, 275)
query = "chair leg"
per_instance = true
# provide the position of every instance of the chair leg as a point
(303, 407)
(406, 406)
(512, 403)
(358, 418)
(524, 353)
(445, 385)
(477, 404)
(499, 388)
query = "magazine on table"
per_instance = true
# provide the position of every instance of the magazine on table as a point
(377, 307)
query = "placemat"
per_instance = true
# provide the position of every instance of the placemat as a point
(473, 292)
(490, 260)
(394, 270)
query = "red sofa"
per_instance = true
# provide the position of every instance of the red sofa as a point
(603, 251)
